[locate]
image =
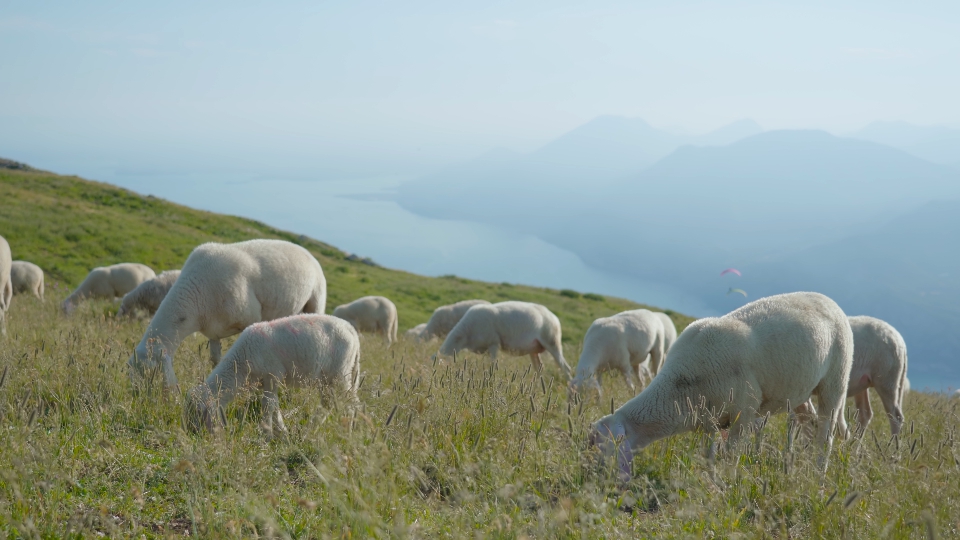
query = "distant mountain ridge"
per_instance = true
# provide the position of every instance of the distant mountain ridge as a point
(939, 144)
(599, 152)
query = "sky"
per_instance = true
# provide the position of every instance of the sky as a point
(366, 88)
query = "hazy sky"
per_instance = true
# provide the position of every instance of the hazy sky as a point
(412, 85)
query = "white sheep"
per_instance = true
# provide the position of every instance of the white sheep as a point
(292, 351)
(148, 295)
(375, 314)
(224, 288)
(416, 332)
(879, 361)
(444, 318)
(26, 277)
(516, 327)
(766, 357)
(622, 343)
(109, 282)
(6, 285)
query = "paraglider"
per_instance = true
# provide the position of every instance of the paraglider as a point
(731, 271)
(741, 291)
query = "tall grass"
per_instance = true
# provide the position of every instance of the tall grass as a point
(465, 448)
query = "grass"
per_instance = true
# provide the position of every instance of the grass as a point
(465, 448)
(458, 449)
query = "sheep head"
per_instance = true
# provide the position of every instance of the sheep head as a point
(610, 436)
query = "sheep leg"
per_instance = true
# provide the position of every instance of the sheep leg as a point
(535, 359)
(864, 411)
(888, 396)
(270, 404)
(630, 377)
(831, 401)
(806, 415)
(557, 354)
(215, 350)
(745, 417)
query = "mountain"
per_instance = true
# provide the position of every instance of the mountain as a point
(939, 144)
(763, 196)
(599, 152)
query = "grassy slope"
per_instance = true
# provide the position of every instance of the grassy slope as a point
(471, 449)
(68, 226)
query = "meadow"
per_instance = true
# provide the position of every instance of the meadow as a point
(462, 448)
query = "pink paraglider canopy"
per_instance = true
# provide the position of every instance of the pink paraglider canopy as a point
(730, 271)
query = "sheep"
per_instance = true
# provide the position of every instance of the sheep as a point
(416, 332)
(224, 288)
(763, 358)
(292, 351)
(879, 361)
(109, 282)
(371, 314)
(444, 318)
(516, 327)
(6, 284)
(27, 277)
(148, 295)
(621, 342)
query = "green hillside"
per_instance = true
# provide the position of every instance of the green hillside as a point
(433, 448)
(68, 225)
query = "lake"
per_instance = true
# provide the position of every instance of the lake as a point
(358, 216)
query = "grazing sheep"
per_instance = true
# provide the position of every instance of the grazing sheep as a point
(148, 295)
(371, 314)
(6, 285)
(292, 351)
(879, 361)
(27, 277)
(444, 318)
(416, 332)
(109, 282)
(224, 288)
(516, 327)
(766, 357)
(621, 342)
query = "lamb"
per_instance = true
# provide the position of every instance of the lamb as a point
(763, 358)
(27, 277)
(293, 351)
(879, 361)
(148, 295)
(371, 314)
(109, 282)
(224, 288)
(444, 318)
(416, 332)
(6, 284)
(517, 327)
(621, 342)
